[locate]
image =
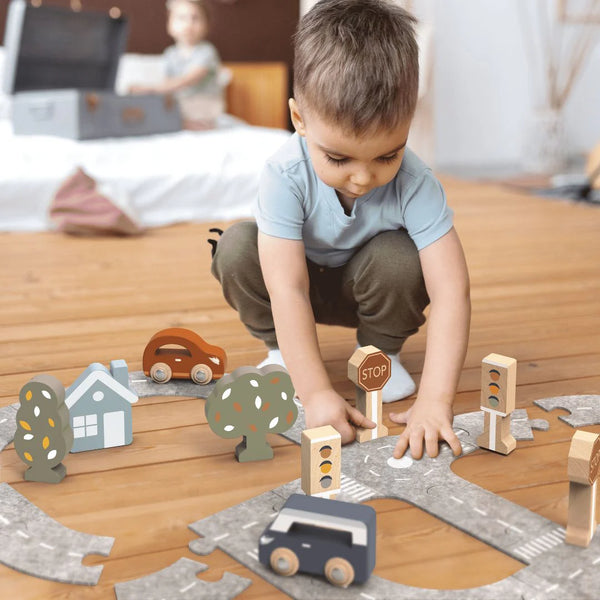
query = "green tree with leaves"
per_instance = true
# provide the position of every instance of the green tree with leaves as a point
(252, 402)
(44, 435)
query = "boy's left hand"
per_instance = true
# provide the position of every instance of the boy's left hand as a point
(428, 422)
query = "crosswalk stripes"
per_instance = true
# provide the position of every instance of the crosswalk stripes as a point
(541, 544)
(355, 490)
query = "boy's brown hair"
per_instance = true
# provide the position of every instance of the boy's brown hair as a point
(357, 64)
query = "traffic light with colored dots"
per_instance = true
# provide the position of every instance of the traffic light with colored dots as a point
(321, 462)
(498, 398)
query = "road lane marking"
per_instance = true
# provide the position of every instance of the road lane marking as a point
(505, 524)
(187, 588)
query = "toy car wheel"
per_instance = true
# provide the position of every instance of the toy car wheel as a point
(161, 372)
(201, 374)
(284, 562)
(339, 572)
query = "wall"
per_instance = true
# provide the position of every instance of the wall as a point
(483, 95)
(251, 30)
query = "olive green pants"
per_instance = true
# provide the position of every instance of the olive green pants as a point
(380, 291)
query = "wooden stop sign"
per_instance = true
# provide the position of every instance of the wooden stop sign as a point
(369, 368)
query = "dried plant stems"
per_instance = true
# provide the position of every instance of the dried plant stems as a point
(558, 58)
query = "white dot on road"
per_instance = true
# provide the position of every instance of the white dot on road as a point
(400, 463)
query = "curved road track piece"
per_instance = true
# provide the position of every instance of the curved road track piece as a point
(34, 543)
(179, 582)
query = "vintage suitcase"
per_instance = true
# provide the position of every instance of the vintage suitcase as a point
(60, 69)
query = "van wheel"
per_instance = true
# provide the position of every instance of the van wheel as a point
(284, 562)
(161, 372)
(201, 374)
(339, 572)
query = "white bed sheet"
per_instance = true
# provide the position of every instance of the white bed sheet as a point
(162, 179)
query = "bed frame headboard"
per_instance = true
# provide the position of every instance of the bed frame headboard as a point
(258, 93)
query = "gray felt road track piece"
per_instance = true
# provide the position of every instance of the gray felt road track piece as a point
(179, 582)
(8, 424)
(146, 387)
(520, 425)
(585, 410)
(34, 543)
(552, 569)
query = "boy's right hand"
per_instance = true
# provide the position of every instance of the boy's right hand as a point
(329, 408)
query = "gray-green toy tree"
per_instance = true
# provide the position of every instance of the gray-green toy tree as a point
(252, 402)
(44, 435)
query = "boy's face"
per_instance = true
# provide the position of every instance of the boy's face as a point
(352, 165)
(187, 23)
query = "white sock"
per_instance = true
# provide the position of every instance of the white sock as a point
(273, 358)
(400, 384)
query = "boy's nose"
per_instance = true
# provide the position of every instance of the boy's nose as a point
(361, 177)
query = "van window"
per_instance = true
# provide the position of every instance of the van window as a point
(302, 532)
(289, 517)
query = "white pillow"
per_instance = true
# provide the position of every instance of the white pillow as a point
(139, 69)
(149, 69)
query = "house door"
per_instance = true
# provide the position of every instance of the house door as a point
(114, 429)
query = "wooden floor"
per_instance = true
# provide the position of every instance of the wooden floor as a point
(67, 302)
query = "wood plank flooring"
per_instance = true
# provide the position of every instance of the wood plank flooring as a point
(67, 302)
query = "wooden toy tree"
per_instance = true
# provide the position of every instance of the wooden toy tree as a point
(44, 435)
(252, 402)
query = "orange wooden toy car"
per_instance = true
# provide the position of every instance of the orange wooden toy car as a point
(178, 353)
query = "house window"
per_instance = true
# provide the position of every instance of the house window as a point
(85, 426)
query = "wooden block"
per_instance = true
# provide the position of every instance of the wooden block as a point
(370, 369)
(582, 470)
(321, 455)
(498, 399)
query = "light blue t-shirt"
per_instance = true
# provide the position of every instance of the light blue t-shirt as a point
(179, 62)
(293, 203)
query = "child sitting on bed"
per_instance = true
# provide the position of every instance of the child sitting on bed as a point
(352, 228)
(192, 66)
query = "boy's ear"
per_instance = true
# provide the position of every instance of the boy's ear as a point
(296, 117)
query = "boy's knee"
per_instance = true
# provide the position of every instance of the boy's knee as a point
(392, 258)
(236, 250)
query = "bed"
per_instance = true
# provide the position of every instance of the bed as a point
(162, 179)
